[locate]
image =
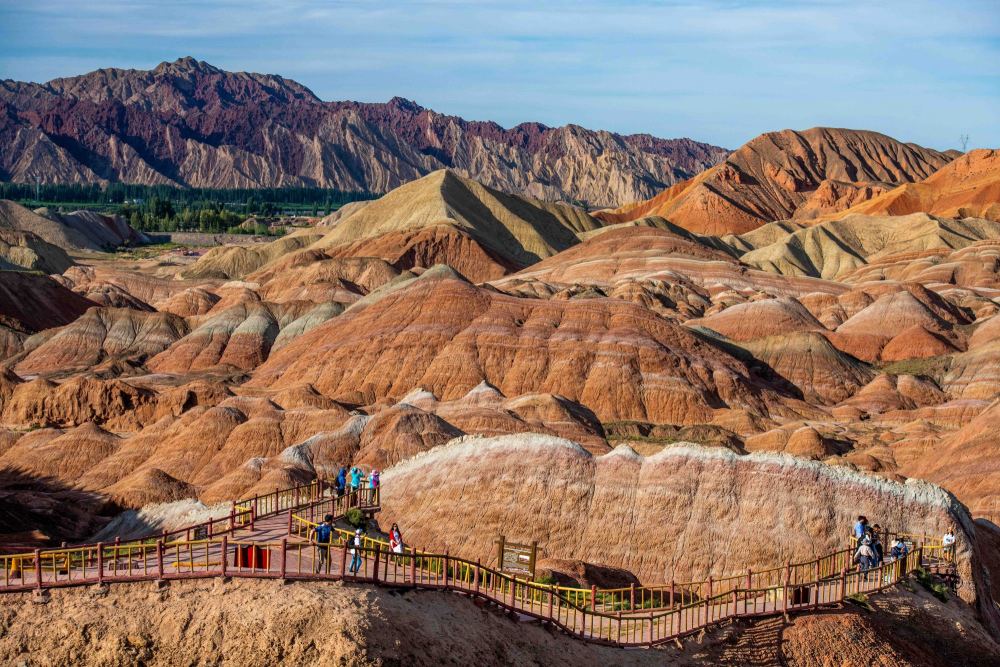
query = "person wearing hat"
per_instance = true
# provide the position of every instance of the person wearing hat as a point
(865, 556)
(354, 546)
(322, 535)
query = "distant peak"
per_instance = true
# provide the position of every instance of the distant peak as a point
(405, 105)
(187, 64)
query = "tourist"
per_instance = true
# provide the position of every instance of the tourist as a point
(877, 544)
(948, 542)
(374, 485)
(395, 540)
(899, 549)
(322, 535)
(341, 481)
(354, 547)
(865, 556)
(356, 475)
(859, 530)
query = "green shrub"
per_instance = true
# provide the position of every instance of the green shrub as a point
(935, 588)
(546, 580)
(355, 517)
(861, 600)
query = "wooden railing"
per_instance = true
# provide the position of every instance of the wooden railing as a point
(627, 627)
(629, 617)
(159, 554)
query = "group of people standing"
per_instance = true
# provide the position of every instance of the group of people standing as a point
(352, 481)
(323, 536)
(869, 553)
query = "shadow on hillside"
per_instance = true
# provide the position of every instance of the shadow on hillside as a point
(41, 511)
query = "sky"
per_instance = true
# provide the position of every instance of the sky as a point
(716, 71)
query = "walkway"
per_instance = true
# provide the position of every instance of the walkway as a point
(268, 537)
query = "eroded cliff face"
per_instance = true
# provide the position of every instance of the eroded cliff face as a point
(189, 123)
(685, 513)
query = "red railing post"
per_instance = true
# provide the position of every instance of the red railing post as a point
(749, 579)
(159, 559)
(232, 516)
(253, 513)
(447, 566)
(289, 522)
(211, 528)
(100, 562)
(593, 597)
(284, 557)
(413, 569)
(224, 560)
(671, 593)
(552, 599)
(843, 583)
(378, 555)
(477, 575)
(631, 595)
(38, 569)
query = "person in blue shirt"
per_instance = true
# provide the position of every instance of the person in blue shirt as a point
(341, 482)
(322, 535)
(860, 527)
(356, 475)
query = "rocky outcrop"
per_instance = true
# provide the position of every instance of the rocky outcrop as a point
(442, 218)
(835, 249)
(104, 334)
(189, 123)
(25, 251)
(447, 336)
(707, 510)
(775, 174)
(73, 232)
(968, 187)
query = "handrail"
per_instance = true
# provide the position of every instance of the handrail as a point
(629, 617)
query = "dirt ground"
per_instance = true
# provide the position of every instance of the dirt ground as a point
(244, 622)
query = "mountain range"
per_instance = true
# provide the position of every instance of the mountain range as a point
(188, 123)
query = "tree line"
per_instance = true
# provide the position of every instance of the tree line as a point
(163, 208)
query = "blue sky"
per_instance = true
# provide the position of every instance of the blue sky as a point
(718, 71)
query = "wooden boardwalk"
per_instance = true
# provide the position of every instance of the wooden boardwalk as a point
(268, 537)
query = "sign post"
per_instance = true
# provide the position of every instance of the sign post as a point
(516, 559)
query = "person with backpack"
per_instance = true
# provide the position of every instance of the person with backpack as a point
(354, 548)
(877, 545)
(374, 482)
(322, 535)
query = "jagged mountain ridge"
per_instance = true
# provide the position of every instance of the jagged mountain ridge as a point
(190, 123)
